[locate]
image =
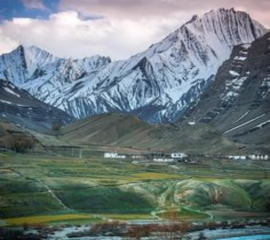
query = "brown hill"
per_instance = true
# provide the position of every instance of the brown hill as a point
(128, 131)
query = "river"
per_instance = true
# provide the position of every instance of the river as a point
(253, 237)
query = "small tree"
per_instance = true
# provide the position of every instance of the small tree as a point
(176, 227)
(23, 145)
(25, 226)
(19, 144)
(56, 126)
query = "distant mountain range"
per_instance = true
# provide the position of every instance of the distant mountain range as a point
(157, 85)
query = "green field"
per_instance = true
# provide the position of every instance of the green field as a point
(59, 189)
(49, 219)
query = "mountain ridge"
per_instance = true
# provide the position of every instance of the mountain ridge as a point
(157, 85)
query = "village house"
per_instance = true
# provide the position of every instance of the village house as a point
(178, 155)
(258, 157)
(114, 155)
(165, 160)
(237, 157)
(137, 157)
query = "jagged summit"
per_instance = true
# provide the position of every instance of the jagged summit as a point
(36, 70)
(194, 18)
(156, 85)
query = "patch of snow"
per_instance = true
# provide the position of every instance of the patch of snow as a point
(243, 52)
(240, 58)
(231, 94)
(7, 102)
(246, 46)
(11, 92)
(240, 118)
(266, 82)
(233, 73)
(248, 122)
(232, 88)
(262, 124)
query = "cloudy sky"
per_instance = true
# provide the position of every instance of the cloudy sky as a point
(115, 28)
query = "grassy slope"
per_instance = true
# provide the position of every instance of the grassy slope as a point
(113, 187)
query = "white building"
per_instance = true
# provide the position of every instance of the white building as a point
(136, 156)
(236, 157)
(178, 155)
(114, 155)
(163, 160)
(258, 157)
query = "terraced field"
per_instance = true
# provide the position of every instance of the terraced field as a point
(59, 189)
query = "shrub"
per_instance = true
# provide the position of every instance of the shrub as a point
(56, 127)
(19, 144)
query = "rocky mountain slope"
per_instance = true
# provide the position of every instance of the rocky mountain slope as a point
(157, 85)
(238, 102)
(19, 107)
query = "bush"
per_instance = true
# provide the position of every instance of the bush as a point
(17, 144)
(22, 145)
(56, 127)
(115, 227)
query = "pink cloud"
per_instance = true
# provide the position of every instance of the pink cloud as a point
(126, 28)
(259, 10)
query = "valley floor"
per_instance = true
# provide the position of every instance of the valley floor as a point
(56, 190)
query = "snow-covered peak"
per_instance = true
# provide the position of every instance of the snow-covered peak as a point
(37, 58)
(174, 72)
(233, 27)
(26, 66)
(37, 53)
(221, 26)
(93, 63)
(157, 84)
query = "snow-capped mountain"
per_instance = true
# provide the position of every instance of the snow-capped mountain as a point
(156, 85)
(18, 106)
(44, 75)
